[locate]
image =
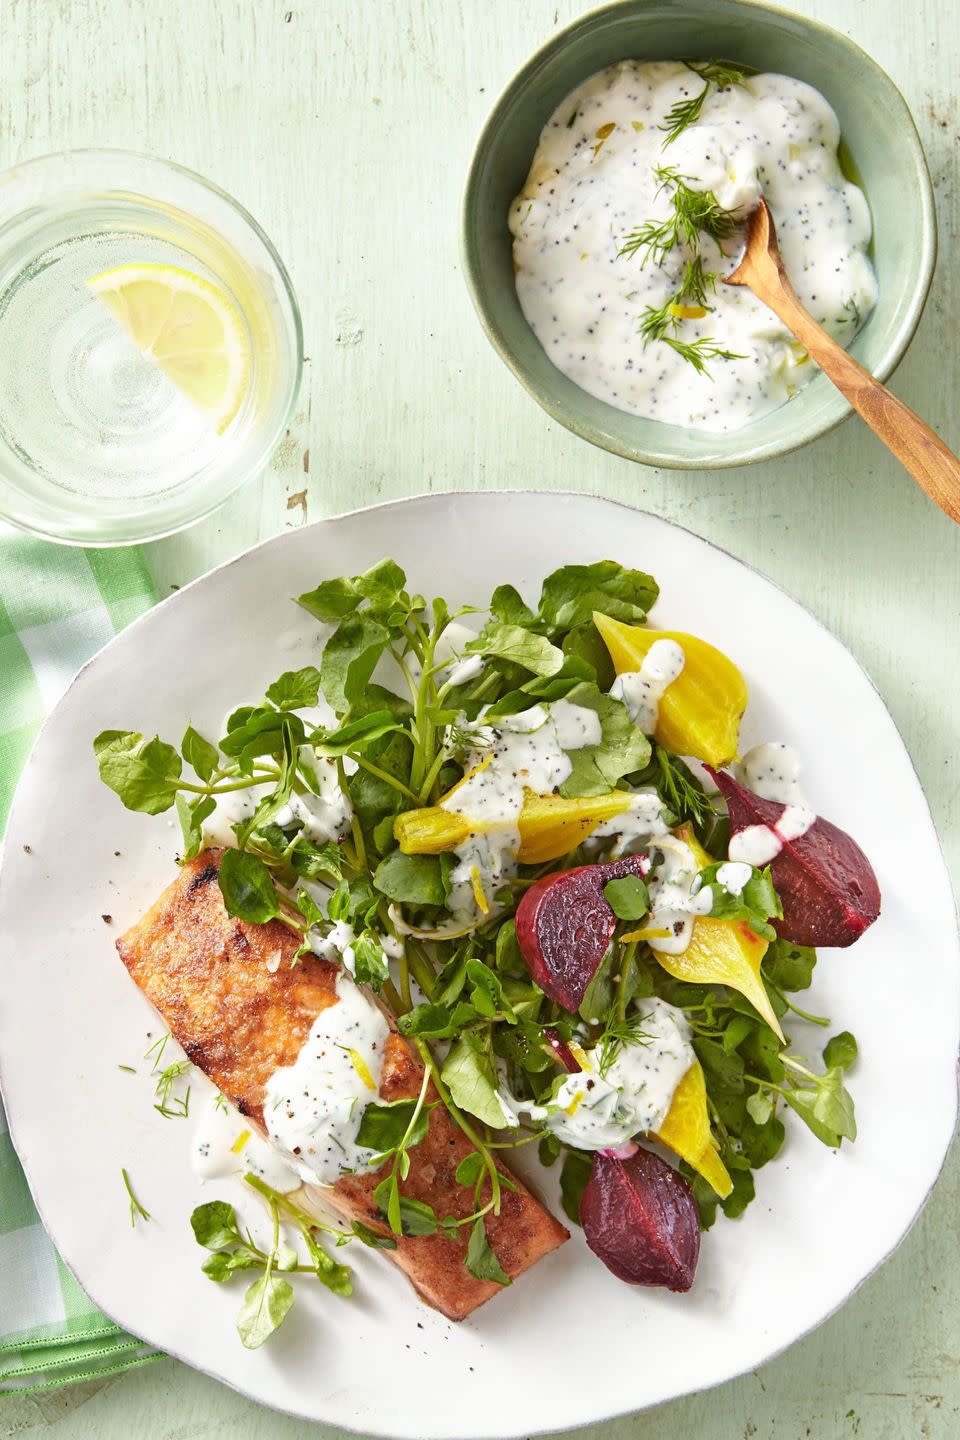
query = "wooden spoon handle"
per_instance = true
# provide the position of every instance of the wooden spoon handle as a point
(916, 446)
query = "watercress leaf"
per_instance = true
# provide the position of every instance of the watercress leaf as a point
(431, 1021)
(804, 1102)
(118, 741)
(191, 816)
(247, 887)
(584, 643)
(373, 1238)
(737, 1031)
(789, 966)
(370, 964)
(145, 776)
(470, 1169)
(317, 862)
(480, 1258)
(574, 1175)
(507, 954)
(350, 657)
(332, 600)
(760, 1143)
(840, 1051)
(599, 995)
(265, 1307)
(486, 993)
(215, 1225)
(199, 753)
(378, 697)
(741, 1195)
(356, 734)
(384, 1125)
(571, 594)
(623, 747)
(414, 879)
(508, 605)
(223, 1263)
(705, 1196)
(760, 1048)
(723, 1070)
(330, 1272)
(469, 1074)
(414, 1217)
(295, 689)
(759, 1107)
(627, 897)
(519, 646)
(453, 976)
(548, 1151)
(308, 907)
(285, 1257)
(382, 584)
(834, 1104)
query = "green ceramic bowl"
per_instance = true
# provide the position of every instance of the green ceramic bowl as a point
(883, 145)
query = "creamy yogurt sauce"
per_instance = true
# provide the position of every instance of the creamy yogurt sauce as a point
(602, 1106)
(593, 182)
(642, 690)
(772, 771)
(521, 752)
(759, 844)
(312, 1109)
(225, 1144)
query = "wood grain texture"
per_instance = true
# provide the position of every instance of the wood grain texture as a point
(347, 130)
(935, 468)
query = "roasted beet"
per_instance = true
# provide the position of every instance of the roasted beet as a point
(564, 926)
(640, 1218)
(825, 882)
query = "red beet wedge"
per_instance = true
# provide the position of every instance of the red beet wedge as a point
(825, 882)
(640, 1218)
(564, 926)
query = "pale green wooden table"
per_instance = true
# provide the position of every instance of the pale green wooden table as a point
(346, 129)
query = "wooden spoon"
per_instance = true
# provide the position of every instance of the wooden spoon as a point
(915, 445)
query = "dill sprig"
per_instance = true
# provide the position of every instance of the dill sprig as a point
(136, 1209)
(698, 352)
(693, 213)
(687, 112)
(691, 292)
(616, 1037)
(169, 1105)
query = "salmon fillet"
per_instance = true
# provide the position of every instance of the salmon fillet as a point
(238, 1020)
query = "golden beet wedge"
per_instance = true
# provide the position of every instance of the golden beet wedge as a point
(550, 826)
(700, 711)
(721, 952)
(686, 1130)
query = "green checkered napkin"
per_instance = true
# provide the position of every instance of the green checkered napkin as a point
(57, 607)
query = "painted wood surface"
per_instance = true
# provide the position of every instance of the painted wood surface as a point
(346, 128)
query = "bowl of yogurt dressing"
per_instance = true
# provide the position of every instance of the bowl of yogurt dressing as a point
(606, 200)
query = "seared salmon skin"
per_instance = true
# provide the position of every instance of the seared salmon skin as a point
(240, 1010)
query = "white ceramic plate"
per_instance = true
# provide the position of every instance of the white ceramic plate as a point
(568, 1344)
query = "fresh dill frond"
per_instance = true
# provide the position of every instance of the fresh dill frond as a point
(853, 310)
(169, 1105)
(695, 283)
(693, 213)
(654, 323)
(687, 112)
(136, 1209)
(681, 793)
(220, 1103)
(617, 1036)
(717, 72)
(698, 352)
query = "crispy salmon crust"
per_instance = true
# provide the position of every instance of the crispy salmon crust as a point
(241, 1011)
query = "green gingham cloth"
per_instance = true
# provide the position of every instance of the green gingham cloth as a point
(58, 606)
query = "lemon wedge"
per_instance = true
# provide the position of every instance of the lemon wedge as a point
(188, 327)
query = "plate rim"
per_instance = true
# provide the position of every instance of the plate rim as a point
(482, 497)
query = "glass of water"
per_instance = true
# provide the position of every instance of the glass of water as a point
(150, 347)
